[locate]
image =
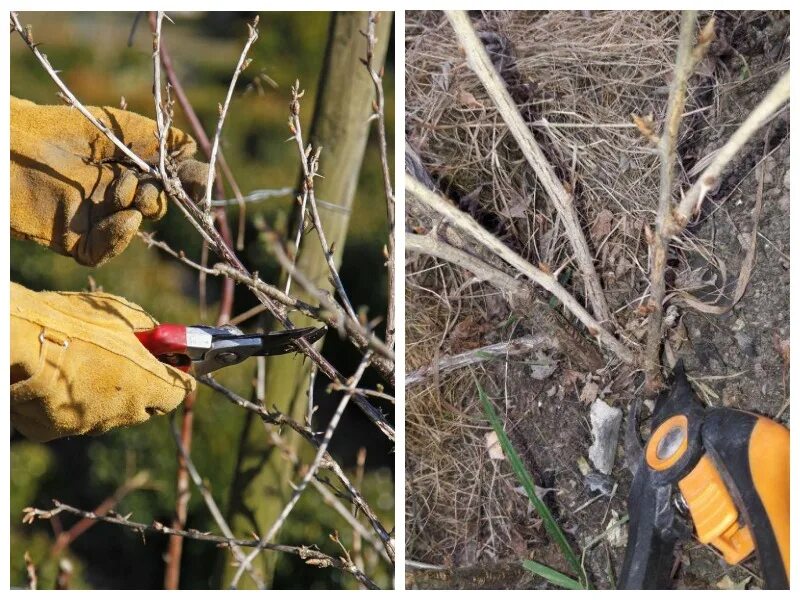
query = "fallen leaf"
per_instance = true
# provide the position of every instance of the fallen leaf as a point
(517, 543)
(589, 393)
(646, 127)
(467, 334)
(781, 347)
(517, 209)
(570, 377)
(602, 225)
(467, 99)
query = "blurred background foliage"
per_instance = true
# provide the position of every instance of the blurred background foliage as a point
(102, 62)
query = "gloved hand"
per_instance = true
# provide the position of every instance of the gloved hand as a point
(77, 367)
(69, 187)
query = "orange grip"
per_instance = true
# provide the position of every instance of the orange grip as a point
(715, 516)
(769, 465)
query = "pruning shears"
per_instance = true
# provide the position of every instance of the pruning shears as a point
(205, 349)
(726, 470)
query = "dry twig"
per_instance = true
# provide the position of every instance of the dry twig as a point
(277, 418)
(379, 116)
(308, 555)
(668, 155)
(564, 203)
(241, 65)
(546, 280)
(322, 450)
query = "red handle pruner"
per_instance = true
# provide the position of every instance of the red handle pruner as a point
(205, 349)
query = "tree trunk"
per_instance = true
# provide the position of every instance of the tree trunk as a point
(340, 125)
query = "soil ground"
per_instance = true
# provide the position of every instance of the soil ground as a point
(739, 360)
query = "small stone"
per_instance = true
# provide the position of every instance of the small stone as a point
(617, 533)
(597, 483)
(729, 396)
(606, 422)
(543, 368)
(493, 447)
(746, 344)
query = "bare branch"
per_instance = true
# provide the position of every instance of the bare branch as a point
(520, 345)
(546, 280)
(330, 498)
(322, 450)
(668, 155)
(208, 498)
(279, 419)
(564, 203)
(308, 555)
(379, 116)
(566, 337)
(329, 312)
(310, 161)
(241, 65)
(708, 180)
(73, 101)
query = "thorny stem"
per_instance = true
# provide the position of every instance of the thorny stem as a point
(240, 66)
(562, 201)
(363, 336)
(330, 497)
(328, 312)
(65, 538)
(668, 155)
(377, 80)
(308, 555)
(277, 418)
(151, 241)
(372, 413)
(466, 223)
(310, 161)
(205, 144)
(208, 498)
(708, 180)
(322, 450)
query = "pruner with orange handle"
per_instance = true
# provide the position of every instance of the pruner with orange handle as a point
(726, 470)
(201, 349)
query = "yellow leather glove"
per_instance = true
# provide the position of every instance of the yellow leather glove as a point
(70, 189)
(77, 367)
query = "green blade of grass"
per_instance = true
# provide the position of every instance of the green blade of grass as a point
(553, 576)
(550, 525)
